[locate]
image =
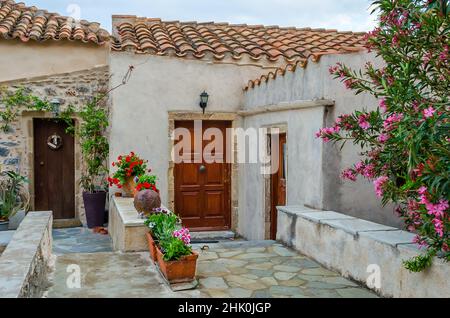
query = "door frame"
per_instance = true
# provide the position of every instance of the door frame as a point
(234, 119)
(29, 169)
(281, 128)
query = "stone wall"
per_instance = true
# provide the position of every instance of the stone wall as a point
(16, 146)
(367, 252)
(24, 264)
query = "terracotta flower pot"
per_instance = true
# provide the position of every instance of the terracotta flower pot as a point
(129, 188)
(180, 271)
(151, 247)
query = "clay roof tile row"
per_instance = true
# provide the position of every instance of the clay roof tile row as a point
(148, 35)
(18, 21)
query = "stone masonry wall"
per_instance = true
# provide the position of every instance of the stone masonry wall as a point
(16, 146)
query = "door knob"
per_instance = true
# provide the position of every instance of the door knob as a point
(41, 163)
(202, 168)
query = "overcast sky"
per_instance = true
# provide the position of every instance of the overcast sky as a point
(344, 15)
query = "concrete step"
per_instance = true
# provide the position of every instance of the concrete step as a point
(213, 235)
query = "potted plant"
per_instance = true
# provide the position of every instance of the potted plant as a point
(13, 198)
(95, 151)
(129, 168)
(169, 246)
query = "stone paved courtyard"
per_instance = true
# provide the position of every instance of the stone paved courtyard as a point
(238, 269)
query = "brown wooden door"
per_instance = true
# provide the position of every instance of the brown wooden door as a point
(202, 190)
(54, 174)
(278, 184)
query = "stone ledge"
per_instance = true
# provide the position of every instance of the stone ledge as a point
(392, 238)
(356, 226)
(351, 246)
(24, 263)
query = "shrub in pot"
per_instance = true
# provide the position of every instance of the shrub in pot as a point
(95, 151)
(13, 198)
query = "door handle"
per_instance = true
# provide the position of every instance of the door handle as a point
(202, 168)
(41, 163)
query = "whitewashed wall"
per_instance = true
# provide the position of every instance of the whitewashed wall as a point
(139, 116)
(313, 167)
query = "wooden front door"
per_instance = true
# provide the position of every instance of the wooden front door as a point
(202, 190)
(54, 173)
(278, 183)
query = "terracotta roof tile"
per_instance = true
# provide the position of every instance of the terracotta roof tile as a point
(225, 40)
(17, 21)
(292, 67)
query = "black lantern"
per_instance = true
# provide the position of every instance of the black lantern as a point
(56, 104)
(204, 100)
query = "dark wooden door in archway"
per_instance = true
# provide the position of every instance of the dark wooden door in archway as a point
(54, 172)
(202, 190)
(278, 183)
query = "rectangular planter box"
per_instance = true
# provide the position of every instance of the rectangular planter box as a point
(151, 247)
(180, 271)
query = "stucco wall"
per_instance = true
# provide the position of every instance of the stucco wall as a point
(319, 188)
(304, 163)
(28, 60)
(139, 116)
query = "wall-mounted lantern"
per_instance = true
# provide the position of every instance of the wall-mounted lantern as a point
(56, 105)
(204, 100)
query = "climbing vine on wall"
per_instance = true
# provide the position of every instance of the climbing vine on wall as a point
(14, 102)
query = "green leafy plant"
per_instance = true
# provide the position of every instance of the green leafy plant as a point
(173, 240)
(174, 249)
(14, 101)
(94, 144)
(13, 196)
(162, 225)
(406, 141)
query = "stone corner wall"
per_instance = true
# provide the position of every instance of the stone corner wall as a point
(367, 252)
(76, 88)
(24, 264)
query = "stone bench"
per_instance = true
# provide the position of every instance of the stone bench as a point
(356, 248)
(24, 262)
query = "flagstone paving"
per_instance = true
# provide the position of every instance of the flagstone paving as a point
(259, 269)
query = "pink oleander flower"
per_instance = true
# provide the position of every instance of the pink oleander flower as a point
(369, 171)
(391, 120)
(438, 226)
(419, 241)
(379, 184)
(383, 105)
(184, 235)
(428, 112)
(362, 121)
(383, 138)
(437, 209)
(359, 166)
(348, 174)
(325, 133)
(422, 190)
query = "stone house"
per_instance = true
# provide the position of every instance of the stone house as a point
(54, 58)
(256, 77)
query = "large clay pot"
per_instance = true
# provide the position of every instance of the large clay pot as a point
(146, 201)
(180, 271)
(94, 204)
(129, 188)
